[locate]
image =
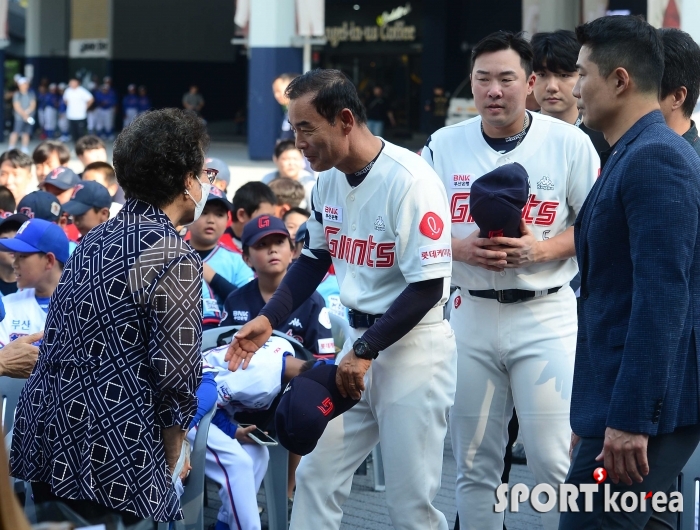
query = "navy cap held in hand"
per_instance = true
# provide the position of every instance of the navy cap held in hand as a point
(309, 402)
(497, 199)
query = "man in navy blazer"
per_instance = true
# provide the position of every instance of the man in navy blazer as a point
(635, 398)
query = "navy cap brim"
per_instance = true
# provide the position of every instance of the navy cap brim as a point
(15, 245)
(258, 237)
(76, 207)
(16, 218)
(57, 184)
(223, 201)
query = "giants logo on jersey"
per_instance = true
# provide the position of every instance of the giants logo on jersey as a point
(360, 251)
(541, 213)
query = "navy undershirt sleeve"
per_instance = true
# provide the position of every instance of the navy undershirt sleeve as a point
(222, 421)
(298, 285)
(405, 313)
(206, 397)
(221, 286)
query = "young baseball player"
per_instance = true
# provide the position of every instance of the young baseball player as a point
(89, 206)
(130, 105)
(268, 250)
(514, 315)
(379, 217)
(233, 459)
(250, 200)
(43, 205)
(8, 228)
(49, 155)
(105, 107)
(204, 234)
(289, 193)
(104, 174)
(16, 172)
(293, 219)
(52, 101)
(41, 251)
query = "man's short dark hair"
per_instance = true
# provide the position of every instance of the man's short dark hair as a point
(88, 143)
(301, 211)
(17, 158)
(333, 92)
(44, 150)
(625, 42)
(505, 40)
(251, 195)
(7, 200)
(104, 168)
(556, 51)
(154, 155)
(681, 67)
(284, 145)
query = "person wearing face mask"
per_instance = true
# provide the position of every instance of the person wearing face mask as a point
(121, 362)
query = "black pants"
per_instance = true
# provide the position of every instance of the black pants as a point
(89, 510)
(77, 128)
(666, 454)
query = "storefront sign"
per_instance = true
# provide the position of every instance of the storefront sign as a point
(349, 32)
(88, 48)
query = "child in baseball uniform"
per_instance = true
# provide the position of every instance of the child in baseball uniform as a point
(233, 459)
(268, 250)
(41, 251)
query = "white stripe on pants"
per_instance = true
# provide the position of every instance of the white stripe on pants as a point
(240, 469)
(409, 389)
(522, 353)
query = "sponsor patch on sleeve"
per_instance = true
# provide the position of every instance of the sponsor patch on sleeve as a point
(326, 346)
(430, 254)
(431, 225)
(210, 306)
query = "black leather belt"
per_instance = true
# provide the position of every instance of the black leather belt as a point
(358, 319)
(510, 296)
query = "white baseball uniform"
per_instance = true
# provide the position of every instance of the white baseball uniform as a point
(521, 352)
(383, 234)
(23, 316)
(240, 468)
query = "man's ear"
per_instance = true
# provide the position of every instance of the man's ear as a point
(347, 121)
(622, 79)
(104, 215)
(240, 216)
(679, 96)
(51, 260)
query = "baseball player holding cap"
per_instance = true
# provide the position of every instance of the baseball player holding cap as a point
(41, 251)
(514, 315)
(89, 205)
(379, 214)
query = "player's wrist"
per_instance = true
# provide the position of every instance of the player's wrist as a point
(363, 350)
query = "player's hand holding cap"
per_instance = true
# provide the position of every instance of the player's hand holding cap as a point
(497, 199)
(309, 402)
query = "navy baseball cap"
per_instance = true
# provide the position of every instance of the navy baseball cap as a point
(301, 233)
(88, 194)
(37, 235)
(40, 205)
(62, 177)
(309, 402)
(221, 166)
(497, 200)
(215, 194)
(263, 225)
(13, 221)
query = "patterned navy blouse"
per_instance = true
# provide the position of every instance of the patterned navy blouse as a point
(120, 361)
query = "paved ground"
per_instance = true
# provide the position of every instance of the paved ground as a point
(366, 509)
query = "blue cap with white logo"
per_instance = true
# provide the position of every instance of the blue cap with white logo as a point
(37, 235)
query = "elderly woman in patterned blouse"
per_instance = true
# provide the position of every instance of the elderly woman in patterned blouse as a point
(101, 420)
